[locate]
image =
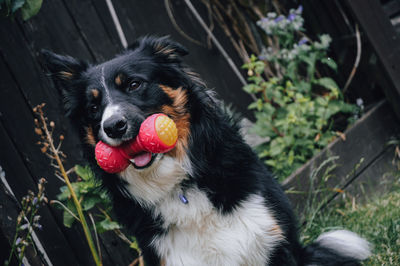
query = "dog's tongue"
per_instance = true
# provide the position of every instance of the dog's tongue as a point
(142, 159)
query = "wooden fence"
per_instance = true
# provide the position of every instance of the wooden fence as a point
(85, 29)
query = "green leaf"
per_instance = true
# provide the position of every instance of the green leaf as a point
(64, 195)
(259, 104)
(30, 8)
(107, 225)
(89, 202)
(327, 83)
(84, 172)
(17, 4)
(329, 62)
(68, 219)
(291, 157)
(291, 70)
(252, 88)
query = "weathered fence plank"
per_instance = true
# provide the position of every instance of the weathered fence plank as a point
(92, 30)
(385, 41)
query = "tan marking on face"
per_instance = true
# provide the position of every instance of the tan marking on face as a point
(90, 139)
(165, 51)
(95, 93)
(119, 79)
(66, 74)
(178, 112)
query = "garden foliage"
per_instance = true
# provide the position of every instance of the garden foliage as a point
(28, 8)
(88, 189)
(295, 104)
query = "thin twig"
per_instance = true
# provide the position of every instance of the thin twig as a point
(65, 208)
(356, 62)
(96, 235)
(59, 177)
(168, 7)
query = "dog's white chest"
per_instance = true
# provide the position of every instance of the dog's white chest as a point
(199, 235)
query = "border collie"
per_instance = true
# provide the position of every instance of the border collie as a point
(210, 200)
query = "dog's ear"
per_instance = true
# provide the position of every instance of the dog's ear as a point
(163, 48)
(63, 68)
(66, 72)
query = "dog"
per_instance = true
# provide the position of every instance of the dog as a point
(208, 201)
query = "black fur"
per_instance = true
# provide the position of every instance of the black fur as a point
(223, 165)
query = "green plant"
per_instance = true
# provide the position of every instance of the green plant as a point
(45, 130)
(82, 198)
(28, 8)
(95, 203)
(27, 220)
(295, 105)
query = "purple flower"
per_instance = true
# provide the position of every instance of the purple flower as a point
(38, 226)
(299, 9)
(262, 57)
(35, 200)
(291, 17)
(18, 241)
(280, 18)
(24, 226)
(302, 41)
(264, 20)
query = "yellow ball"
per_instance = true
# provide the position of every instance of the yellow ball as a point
(166, 130)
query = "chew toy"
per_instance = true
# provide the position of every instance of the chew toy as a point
(157, 134)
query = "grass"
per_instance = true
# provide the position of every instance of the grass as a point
(378, 221)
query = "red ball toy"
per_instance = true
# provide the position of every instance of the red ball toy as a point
(157, 134)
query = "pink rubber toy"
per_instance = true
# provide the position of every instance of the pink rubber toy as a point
(157, 134)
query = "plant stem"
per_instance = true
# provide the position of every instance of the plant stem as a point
(13, 245)
(73, 195)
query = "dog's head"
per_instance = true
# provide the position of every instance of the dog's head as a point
(112, 99)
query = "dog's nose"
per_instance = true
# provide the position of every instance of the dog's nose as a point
(115, 127)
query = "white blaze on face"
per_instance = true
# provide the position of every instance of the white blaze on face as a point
(103, 83)
(108, 112)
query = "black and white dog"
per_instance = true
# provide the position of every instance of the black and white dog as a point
(209, 201)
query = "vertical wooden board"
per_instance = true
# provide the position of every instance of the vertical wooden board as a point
(17, 116)
(18, 122)
(391, 8)
(21, 181)
(139, 18)
(106, 19)
(54, 29)
(91, 29)
(34, 85)
(366, 140)
(385, 41)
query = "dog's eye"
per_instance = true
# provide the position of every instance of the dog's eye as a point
(134, 85)
(94, 108)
